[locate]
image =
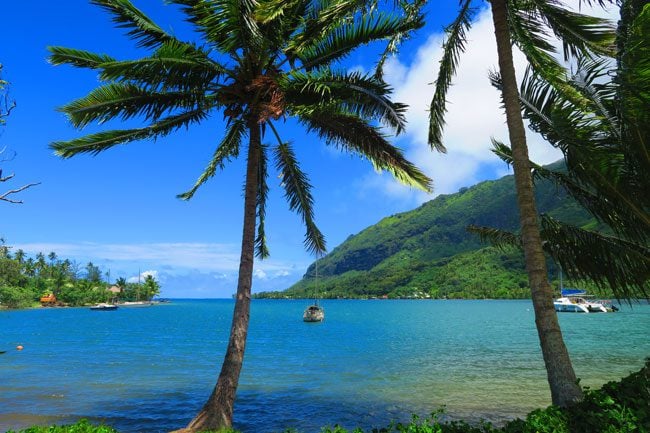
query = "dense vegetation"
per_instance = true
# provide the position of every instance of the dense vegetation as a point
(618, 407)
(23, 280)
(428, 252)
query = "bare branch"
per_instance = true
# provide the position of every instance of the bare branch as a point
(4, 179)
(5, 196)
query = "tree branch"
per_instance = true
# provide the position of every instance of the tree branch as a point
(5, 196)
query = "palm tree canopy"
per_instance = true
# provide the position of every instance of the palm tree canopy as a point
(532, 24)
(605, 145)
(259, 62)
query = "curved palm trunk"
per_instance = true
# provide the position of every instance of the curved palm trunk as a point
(561, 377)
(217, 411)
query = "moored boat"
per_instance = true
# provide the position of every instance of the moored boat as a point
(314, 313)
(104, 307)
(574, 301)
(136, 304)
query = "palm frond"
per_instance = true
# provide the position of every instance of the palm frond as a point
(529, 36)
(496, 237)
(98, 142)
(172, 66)
(412, 12)
(601, 3)
(139, 26)
(271, 10)
(338, 42)
(126, 101)
(453, 47)
(297, 192)
(227, 149)
(608, 261)
(228, 24)
(262, 250)
(579, 33)
(354, 134)
(319, 19)
(634, 95)
(605, 202)
(77, 58)
(363, 95)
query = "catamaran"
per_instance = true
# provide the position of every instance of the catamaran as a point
(574, 301)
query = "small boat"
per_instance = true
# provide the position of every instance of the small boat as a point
(314, 313)
(104, 307)
(136, 304)
(573, 301)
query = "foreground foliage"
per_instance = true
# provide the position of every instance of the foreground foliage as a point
(616, 407)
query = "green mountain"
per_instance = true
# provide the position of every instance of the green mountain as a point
(428, 252)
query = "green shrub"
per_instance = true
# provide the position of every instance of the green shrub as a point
(83, 426)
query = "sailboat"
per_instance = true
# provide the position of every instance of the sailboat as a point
(314, 313)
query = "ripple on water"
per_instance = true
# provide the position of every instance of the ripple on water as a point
(150, 370)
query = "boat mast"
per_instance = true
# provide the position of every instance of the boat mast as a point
(316, 292)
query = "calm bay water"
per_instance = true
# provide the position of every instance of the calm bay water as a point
(151, 369)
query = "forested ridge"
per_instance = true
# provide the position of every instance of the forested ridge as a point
(428, 252)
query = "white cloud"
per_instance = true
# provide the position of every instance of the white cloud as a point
(207, 257)
(260, 274)
(143, 275)
(474, 114)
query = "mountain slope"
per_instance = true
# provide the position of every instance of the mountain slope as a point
(428, 252)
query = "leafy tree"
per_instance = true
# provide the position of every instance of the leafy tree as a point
(527, 24)
(151, 287)
(93, 273)
(40, 264)
(30, 267)
(121, 283)
(15, 297)
(19, 255)
(259, 62)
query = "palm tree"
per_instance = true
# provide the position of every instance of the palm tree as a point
(19, 256)
(605, 145)
(41, 264)
(151, 287)
(52, 257)
(121, 283)
(30, 267)
(260, 61)
(518, 22)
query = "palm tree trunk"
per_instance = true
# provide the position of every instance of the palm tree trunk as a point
(217, 411)
(561, 377)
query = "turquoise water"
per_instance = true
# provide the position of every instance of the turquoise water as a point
(370, 362)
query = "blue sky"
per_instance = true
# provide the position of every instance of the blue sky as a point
(119, 209)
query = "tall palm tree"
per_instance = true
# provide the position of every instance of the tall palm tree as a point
(527, 23)
(605, 145)
(41, 264)
(259, 62)
(19, 256)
